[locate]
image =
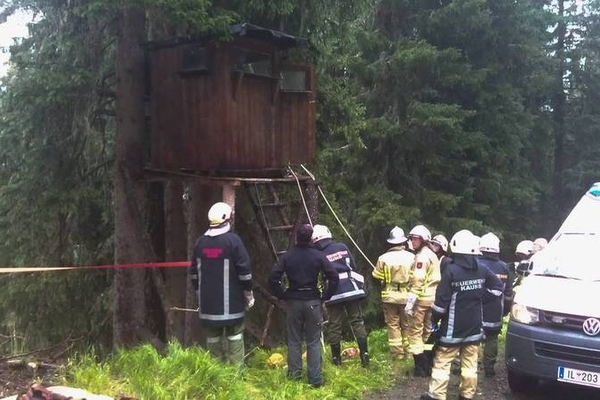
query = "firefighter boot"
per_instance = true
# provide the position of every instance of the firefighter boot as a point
(364, 351)
(336, 356)
(420, 365)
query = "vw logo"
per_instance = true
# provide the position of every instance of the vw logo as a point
(591, 326)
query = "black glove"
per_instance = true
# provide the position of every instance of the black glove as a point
(436, 317)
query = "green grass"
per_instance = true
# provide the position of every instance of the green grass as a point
(192, 374)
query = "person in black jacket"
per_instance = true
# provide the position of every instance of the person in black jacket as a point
(494, 308)
(304, 315)
(346, 300)
(221, 275)
(458, 306)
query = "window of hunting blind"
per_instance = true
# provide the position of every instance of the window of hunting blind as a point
(195, 60)
(252, 62)
(293, 81)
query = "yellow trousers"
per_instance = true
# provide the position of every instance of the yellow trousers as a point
(419, 328)
(397, 328)
(440, 373)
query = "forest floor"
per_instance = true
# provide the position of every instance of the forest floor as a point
(495, 388)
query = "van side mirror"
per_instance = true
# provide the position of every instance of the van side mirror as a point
(524, 267)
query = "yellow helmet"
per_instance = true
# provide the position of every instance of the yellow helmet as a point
(275, 360)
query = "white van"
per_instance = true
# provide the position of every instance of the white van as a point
(554, 327)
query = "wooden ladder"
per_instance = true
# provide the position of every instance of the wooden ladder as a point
(274, 218)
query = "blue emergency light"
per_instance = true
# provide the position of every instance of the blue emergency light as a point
(595, 190)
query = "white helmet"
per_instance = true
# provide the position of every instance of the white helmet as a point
(442, 241)
(420, 231)
(525, 247)
(218, 214)
(396, 236)
(489, 243)
(464, 242)
(539, 244)
(478, 241)
(320, 232)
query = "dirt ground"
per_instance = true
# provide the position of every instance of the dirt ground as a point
(495, 388)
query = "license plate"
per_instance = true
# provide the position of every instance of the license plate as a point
(579, 377)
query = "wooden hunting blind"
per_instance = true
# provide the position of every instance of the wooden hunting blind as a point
(230, 106)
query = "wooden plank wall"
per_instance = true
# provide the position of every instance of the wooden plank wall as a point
(198, 124)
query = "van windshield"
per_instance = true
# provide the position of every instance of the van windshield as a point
(573, 256)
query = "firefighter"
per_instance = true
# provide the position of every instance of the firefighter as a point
(523, 252)
(221, 275)
(304, 314)
(458, 306)
(346, 300)
(494, 308)
(393, 270)
(439, 245)
(424, 278)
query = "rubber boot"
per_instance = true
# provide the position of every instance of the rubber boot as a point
(420, 367)
(426, 397)
(336, 356)
(364, 351)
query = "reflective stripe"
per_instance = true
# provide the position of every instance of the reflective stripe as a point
(427, 347)
(358, 292)
(472, 338)
(416, 349)
(215, 339)
(245, 277)
(441, 374)
(496, 293)
(226, 286)
(438, 309)
(492, 324)
(378, 275)
(221, 317)
(357, 277)
(468, 372)
(508, 298)
(451, 316)
(395, 342)
(239, 336)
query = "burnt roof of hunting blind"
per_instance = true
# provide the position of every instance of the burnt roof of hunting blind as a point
(280, 39)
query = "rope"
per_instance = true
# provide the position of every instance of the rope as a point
(337, 218)
(301, 195)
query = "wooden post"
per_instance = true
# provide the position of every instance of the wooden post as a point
(228, 191)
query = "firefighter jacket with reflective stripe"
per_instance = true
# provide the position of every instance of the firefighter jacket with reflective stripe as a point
(393, 269)
(425, 276)
(302, 266)
(351, 284)
(221, 272)
(458, 300)
(494, 308)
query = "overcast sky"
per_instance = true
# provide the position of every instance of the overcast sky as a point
(15, 26)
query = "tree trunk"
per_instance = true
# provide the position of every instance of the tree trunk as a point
(176, 250)
(129, 284)
(560, 109)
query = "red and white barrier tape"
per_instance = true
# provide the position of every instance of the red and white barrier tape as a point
(169, 264)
